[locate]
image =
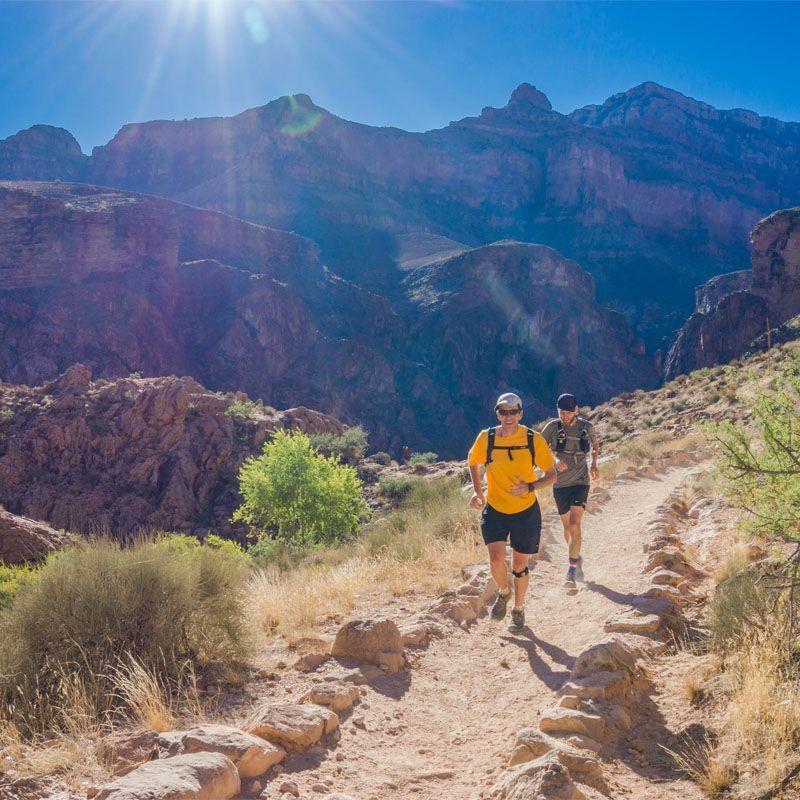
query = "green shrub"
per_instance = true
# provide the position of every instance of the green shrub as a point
(396, 489)
(164, 604)
(741, 605)
(348, 446)
(299, 495)
(382, 457)
(12, 579)
(245, 408)
(422, 458)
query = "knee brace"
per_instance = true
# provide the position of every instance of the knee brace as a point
(521, 574)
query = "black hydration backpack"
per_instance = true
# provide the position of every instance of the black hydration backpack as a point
(561, 440)
(490, 446)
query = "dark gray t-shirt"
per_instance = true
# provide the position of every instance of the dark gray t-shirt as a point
(577, 472)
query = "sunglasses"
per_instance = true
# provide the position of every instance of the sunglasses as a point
(508, 412)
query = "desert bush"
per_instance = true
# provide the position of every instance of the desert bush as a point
(12, 579)
(422, 459)
(741, 604)
(245, 408)
(163, 604)
(382, 457)
(348, 446)
(294, 493)
(396, 489)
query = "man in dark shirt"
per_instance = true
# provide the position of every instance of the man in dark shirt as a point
(571, 437)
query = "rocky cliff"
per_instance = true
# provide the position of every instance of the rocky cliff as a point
(652, 192)
(734, 310)
(127, 283)
(131, 454)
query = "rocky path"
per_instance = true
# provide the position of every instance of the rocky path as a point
(446, 727)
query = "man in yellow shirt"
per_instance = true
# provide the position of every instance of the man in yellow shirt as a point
(510, 451)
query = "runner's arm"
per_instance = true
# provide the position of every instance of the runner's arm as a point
(595, 440)
(478, 499)
(542, 483)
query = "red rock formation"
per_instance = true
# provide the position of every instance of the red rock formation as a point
(132, 454)
(24, 540)
(128, 283)
(725, 326)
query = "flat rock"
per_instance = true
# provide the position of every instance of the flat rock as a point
(292, 725)
(665, 577)
(633, 622)
(358, 676)
(567, 720)
(252, 755)
(195, 776)
(337, 696)
(598, 685)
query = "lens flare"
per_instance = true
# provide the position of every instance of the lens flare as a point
(301, 119)
(256, 24)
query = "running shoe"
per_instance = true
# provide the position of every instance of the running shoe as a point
(569, 581)
(499, 607)
(517, 619)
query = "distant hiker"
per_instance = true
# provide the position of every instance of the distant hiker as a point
(509, 452)
(406, 453)
(571, 438)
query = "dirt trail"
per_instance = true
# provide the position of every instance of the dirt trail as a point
(446, 727)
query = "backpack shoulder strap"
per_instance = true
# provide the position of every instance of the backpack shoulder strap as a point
(532, 445)
(490, 434)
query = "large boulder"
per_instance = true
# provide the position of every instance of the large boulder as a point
(24, 540)
(544, 778)
(371, 641)
(198, 776)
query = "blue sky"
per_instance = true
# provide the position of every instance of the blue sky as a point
(91, 67)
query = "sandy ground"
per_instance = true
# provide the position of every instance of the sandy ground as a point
(446, 727)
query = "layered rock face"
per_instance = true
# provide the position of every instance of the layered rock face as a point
(525, 318)
(132, 454)
(725, 325)
(126, 283)
(652, 192)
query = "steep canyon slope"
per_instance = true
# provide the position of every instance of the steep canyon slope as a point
(651, 192)
(128, 283)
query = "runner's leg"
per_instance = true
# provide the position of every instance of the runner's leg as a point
(574, 519)
(519, 561)
(497, 564)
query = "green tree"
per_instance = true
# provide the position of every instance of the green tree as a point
(760, 463)
(298, 494)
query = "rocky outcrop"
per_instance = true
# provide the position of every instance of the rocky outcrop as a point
(652, 192)
(126, 283)
(25, 541)
(726, 325)
(42, 153)
(525, 317)
(127, 455)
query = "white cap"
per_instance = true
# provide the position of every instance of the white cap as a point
(508, 399)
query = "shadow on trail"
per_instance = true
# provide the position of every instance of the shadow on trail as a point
(531, 644)
(611, 594)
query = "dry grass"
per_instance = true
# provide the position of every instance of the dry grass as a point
(420, 550)
(762, 723)
(703, 762)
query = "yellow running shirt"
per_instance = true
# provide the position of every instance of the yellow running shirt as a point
(504, 471)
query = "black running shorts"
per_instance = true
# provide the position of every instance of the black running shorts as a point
(571, 496)
(524, 527)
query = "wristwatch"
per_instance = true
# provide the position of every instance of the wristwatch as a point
(532, 486)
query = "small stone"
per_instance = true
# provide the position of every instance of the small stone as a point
(289, 787)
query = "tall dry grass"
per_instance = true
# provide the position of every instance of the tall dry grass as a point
(420, 549)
